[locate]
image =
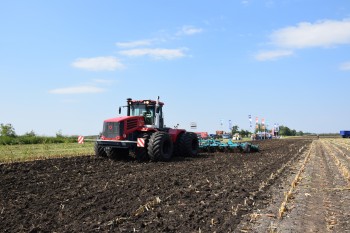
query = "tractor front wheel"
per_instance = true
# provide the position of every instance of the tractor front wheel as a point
(160, 146)
(111, 153)
(141, 152)
(99, 151)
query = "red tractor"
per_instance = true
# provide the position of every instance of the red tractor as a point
(143, 132)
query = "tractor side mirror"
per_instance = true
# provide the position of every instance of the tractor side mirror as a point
(120, 110)
(157, 110)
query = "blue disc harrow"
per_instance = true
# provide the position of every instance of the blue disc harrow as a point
(212, 145)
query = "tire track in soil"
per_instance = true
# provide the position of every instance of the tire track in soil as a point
(318, 205)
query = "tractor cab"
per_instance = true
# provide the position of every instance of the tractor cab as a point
(151, 111)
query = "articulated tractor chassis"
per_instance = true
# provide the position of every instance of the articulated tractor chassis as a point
(142, 132)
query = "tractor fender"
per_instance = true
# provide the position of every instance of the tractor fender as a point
(175, 133)
(148, 129)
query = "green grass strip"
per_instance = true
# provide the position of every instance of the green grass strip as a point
(15, 153)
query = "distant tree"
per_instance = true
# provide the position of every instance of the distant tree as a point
(293, 132)
(30, 134)
(234, 129)
(285, 131)
(7, 130)
(59, 134)
(300, 133)
(244, 133)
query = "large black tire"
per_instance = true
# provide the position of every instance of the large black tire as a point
(160, 146)
(177, 145)
(118, 153)
(99, 151)
(111, 153)
(141, 153)
(188, 144)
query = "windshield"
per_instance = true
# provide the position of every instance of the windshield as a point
(148, 111)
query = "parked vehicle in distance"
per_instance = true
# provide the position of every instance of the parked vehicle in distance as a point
(345, 133)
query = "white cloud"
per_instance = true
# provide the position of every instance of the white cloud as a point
(133, 44)
(345, 66)
(77, 90)
(273, 55)
(320, 34)
(98, 63)
(156, 53)
(103, 81)
(189, 30)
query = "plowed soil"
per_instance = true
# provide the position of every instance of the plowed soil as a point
(212, 192)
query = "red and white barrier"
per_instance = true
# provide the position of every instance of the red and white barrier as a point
(140, 142)
(81, 139)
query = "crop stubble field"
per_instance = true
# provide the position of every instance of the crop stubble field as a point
(294, 185)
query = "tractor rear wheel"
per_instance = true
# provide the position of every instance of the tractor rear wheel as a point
(141, 153)
(188, 144)
(160, 146)
(177, 145)
(99, 151)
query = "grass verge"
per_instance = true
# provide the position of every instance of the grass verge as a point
(17, 153)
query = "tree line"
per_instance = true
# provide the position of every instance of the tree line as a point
(8, 136)
(283, 130)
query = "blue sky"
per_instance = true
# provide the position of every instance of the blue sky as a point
(68, 65)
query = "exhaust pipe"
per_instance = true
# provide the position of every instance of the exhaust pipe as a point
(157, 120)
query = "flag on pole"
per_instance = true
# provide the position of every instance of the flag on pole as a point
(263, 123)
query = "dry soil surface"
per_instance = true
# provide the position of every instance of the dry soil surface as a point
(214, 192)
(320, 201)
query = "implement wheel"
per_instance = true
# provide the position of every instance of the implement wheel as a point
(160, 146)
(247, 148)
